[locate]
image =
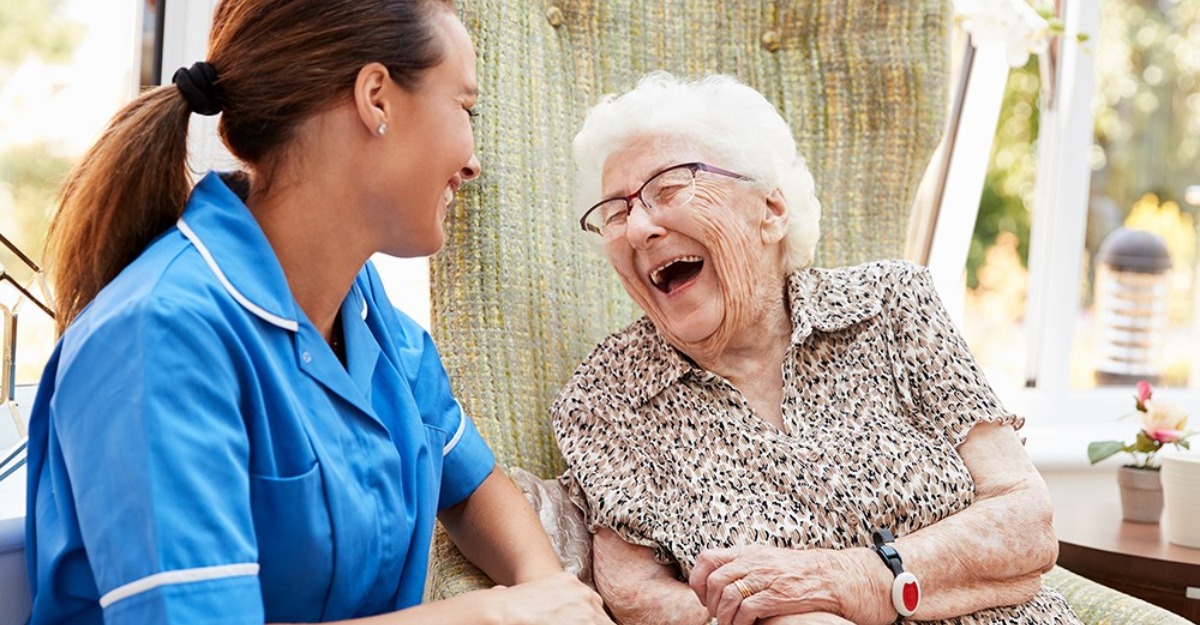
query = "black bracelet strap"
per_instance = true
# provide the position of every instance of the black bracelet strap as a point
(881, 537)
(906, 589)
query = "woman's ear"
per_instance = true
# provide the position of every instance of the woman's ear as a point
(369, 88)
(774, 225)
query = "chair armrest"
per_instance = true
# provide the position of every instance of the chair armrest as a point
(1100, 605)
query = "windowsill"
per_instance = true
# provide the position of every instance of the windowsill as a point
(1060, 424)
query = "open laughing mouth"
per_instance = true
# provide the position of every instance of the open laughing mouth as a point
(676, 273)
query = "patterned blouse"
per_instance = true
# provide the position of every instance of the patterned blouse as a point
(879, 391)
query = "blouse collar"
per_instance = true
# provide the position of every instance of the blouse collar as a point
(643, 364)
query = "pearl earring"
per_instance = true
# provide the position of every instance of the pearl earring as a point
(381, 129)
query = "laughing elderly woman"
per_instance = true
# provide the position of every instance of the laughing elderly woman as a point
(800, 445)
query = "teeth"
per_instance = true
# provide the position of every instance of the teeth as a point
(656, 275)
(448, 195)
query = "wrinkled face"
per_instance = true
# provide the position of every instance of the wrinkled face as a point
(434, 145)
(695, 271)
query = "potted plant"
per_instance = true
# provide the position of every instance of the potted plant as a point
(1163, 424)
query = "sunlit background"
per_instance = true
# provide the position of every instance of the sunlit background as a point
(1146, 153)
(67, 65)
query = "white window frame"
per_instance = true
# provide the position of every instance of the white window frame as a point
(1060, 421)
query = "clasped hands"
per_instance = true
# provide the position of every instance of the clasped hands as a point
(776, 586)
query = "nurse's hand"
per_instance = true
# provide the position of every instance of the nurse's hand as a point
(560, 599)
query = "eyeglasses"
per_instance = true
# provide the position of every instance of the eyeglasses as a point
(671, 188)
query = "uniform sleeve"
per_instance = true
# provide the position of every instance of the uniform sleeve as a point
(146, 424)
(945, 385)
(466, 458)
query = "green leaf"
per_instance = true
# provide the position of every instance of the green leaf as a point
(1102, 449)
(1145, 444)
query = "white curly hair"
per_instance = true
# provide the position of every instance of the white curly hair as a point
(719, 113)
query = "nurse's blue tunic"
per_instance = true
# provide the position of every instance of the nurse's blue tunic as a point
(198, 454)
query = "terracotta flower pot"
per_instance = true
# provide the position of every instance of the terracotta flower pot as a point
(1141, 494)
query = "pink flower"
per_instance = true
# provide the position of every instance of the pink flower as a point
(1163, 423)
(1166, 436)
(1163, 417)
(1143, 394)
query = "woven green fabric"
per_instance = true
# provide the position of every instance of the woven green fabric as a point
(520, 295)
(1099, 605)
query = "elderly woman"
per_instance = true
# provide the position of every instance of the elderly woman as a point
(800, 445)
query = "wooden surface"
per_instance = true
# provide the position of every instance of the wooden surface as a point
(1134, 558)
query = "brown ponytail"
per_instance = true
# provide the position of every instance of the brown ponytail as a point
(277, 64)
(127, 189)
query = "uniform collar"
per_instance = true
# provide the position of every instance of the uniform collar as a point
(646, 364)
(234, 247)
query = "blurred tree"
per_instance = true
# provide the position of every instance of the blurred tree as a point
(1146, 153)
(35, 26)
(30, 175)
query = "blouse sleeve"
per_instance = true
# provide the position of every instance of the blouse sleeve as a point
(600, 478)
(943, 384)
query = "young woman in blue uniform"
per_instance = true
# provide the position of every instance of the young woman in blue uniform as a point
(237, 426)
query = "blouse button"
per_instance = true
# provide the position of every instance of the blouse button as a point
(306, 357)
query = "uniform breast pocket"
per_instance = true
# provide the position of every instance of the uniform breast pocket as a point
(295, 544)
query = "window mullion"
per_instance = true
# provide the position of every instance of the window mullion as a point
(1060, 207)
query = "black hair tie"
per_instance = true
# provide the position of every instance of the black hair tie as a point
(199, 88)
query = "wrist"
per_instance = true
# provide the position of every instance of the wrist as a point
(489, 606)
(534, 570)
(870, 598)
(906, 589)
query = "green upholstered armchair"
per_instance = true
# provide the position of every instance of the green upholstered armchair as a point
(519, 298)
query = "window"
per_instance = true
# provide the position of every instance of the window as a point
(1137, 317)
(65, 67)
(1116, 144)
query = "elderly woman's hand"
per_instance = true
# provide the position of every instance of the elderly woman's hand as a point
(637, 589)
(743, 584)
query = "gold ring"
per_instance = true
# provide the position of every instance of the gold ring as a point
(743, 588)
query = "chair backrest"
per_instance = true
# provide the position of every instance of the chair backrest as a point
(519, 299)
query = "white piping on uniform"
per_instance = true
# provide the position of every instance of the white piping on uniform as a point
(462, 427)
(276, 320)
(182, 576)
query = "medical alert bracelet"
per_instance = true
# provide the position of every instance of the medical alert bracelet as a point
(906, 590)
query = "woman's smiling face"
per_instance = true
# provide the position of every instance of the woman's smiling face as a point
(694, 270)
